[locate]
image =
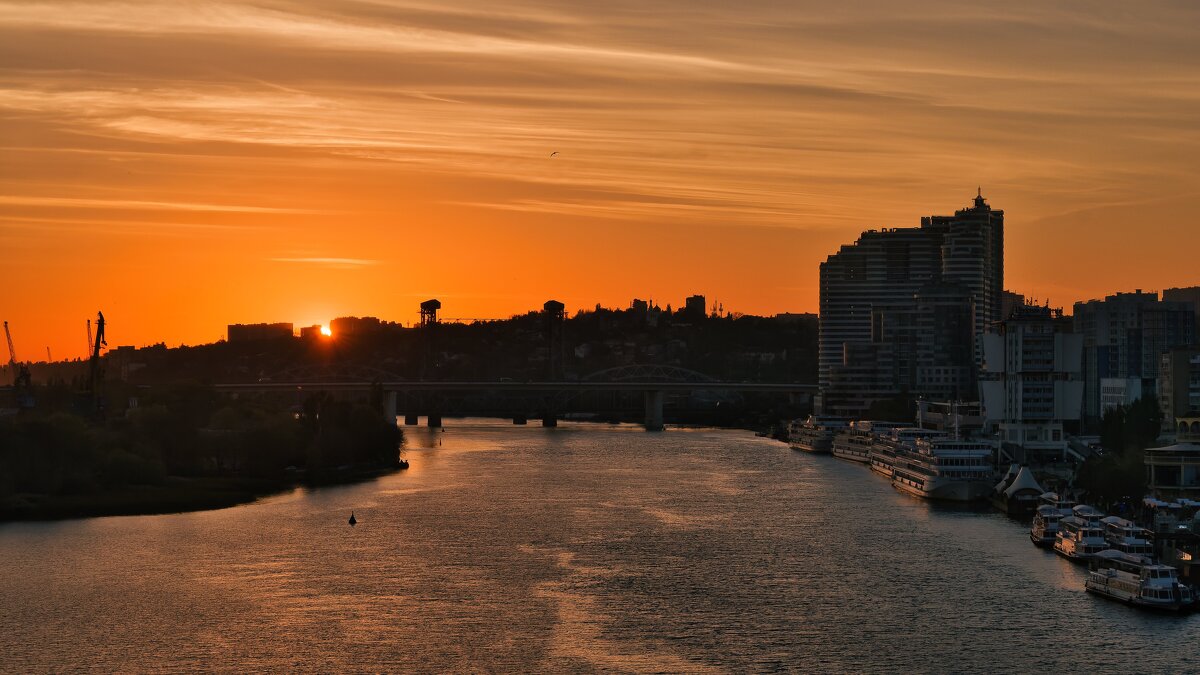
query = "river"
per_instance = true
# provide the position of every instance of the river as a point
(582, 548)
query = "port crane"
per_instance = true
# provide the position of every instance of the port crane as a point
(22, 380)
(93, 397)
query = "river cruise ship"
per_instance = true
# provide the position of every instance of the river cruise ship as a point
(854, 443)
(816, 433)
(1134, 579)
(885, 447)
(947, 469)
(1080, 535)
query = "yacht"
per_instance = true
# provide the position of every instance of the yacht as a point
(854, 443)
(1080, 535)
(883, 451)
(1127, 537)
(1134, 579)
(815, 434)
(949, 469)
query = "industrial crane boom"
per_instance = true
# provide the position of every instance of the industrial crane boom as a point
(12, 352)
(22, 380)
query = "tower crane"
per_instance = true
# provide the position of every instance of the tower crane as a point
(89, 329)
(22, 380)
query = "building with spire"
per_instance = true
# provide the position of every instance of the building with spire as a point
(902, 310)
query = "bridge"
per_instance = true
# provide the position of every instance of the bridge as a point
(653, 382)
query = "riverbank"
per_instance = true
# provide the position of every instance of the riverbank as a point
(175, 495)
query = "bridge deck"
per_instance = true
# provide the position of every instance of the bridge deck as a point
(783, 388)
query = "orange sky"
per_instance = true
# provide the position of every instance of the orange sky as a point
(182, 165)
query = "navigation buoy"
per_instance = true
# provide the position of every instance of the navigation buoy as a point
(352, 519)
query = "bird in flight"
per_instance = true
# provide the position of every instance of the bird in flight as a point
(553, 154)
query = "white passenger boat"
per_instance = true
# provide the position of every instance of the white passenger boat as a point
(948, 469)
(815, 434)
(1044, 529)
(1136, 580)
(1126, 536)
(1080, 535)
(885, 447)
(1050, 510)
(854, 443)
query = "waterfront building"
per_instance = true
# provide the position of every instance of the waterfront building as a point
(1173, 471)
(906, 292)
(1031, 386)
(1124, 336)
(250, 332)
(1179, 382)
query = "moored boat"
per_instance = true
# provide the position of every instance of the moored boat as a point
(883, 451)
(1044, 529)
(854, 442)
(1126, 536)
(815, 434)
(947, 469)
(1136, 580)
(1080, 535)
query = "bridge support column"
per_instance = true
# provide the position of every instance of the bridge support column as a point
(433, 421)
(549, 419)
(411, 419)
(520, 419)
(389, 407)
(654, 410)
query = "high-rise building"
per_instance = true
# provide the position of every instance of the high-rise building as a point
(867, 287)
(972, 243)
(1031, 384)
(1190, 295)
(1124, 336)
(695, 305)
(1179, 383)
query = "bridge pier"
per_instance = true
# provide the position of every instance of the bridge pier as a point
(654, 410)
(549, 419)
(411, 419)
(389, 407)
(434, 421)
(520, 419)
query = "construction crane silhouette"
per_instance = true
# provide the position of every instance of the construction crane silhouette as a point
(22, 379)
(92, 399)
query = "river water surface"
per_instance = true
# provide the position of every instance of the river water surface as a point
(582, 548)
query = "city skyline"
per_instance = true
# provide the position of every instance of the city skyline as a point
(182, 168)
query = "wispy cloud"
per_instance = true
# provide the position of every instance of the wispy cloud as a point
(340, 263)
(137, 204)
